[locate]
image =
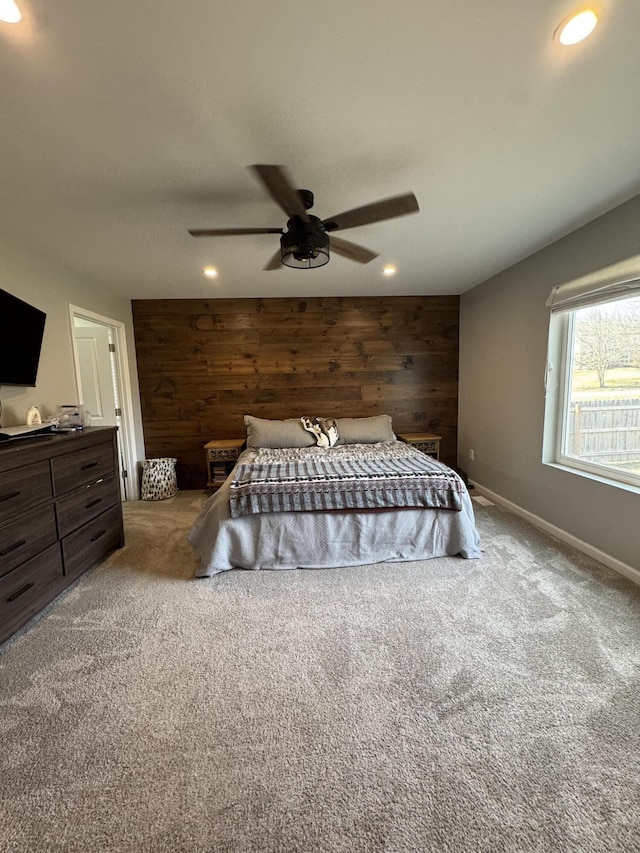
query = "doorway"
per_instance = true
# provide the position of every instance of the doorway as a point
(102, 382)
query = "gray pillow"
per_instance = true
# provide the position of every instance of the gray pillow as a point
(264, 432)
(365, 430)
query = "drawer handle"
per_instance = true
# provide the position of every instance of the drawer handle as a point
(98, 535)
(13, 547)
(9, 495)
(93, 503)
(89, 465)
(20, 591)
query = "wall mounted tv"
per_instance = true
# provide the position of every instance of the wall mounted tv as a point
(21, 331)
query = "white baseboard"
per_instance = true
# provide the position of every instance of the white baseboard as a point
(607, 560)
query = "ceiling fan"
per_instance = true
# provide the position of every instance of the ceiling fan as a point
(306, 243)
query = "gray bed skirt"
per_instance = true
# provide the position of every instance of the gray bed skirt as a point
(319, 540)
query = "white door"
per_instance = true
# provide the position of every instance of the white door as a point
(96, 374)
(104, 387)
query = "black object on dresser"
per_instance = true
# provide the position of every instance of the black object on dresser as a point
(60, 514)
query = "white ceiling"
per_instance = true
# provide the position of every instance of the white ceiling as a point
(125, 123)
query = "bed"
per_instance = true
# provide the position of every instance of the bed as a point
(330, 493)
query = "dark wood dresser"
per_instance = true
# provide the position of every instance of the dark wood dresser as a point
(60, 514)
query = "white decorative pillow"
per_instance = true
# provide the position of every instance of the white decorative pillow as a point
(324, 429)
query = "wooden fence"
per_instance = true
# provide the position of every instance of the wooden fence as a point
(606, 431)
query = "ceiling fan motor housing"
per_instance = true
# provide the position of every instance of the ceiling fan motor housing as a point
(305, 245)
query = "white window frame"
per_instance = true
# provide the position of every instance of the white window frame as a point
(563, 403)
(601, 287)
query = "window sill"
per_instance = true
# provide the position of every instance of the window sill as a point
(598, 478)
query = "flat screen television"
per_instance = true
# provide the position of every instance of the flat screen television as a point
(21, 331)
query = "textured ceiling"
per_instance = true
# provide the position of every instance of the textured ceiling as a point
(126, 123)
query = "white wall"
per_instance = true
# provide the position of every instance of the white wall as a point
(504, 327)
(52, 288)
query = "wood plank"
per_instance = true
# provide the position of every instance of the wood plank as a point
(203, 364)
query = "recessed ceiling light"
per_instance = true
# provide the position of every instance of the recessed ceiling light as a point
(389, 270)
(577, 27)
(210, 272)
(9, 12)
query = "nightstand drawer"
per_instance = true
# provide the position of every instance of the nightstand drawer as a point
(89, 545)
(426, 442)
(75, 510)
(27, 589)
(24, 488)
(26, 537)
(225, 454)
(427, 446)
(79, 469)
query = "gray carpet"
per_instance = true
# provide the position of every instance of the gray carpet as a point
(451, 705)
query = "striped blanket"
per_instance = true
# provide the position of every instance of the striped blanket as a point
(350, 476)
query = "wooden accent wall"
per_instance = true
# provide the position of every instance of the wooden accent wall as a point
(203, 364)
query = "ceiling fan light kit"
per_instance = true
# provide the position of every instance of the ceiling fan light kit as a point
(306, 243)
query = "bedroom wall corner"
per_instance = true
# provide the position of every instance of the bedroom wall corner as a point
(504, 327)
(51, 287)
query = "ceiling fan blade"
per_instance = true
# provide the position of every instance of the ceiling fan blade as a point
(352, 250)
(387, 208)
(226, 232)
(280, 187)
(274, 262)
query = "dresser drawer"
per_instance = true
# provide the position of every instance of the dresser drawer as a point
(23, 489)
(25, 537)
(78, 469)
(27, 589)
(89, 545)
(76, 509)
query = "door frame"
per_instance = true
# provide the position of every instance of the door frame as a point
(127, 431)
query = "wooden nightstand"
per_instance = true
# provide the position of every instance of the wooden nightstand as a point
(222, 454)
(424, 441)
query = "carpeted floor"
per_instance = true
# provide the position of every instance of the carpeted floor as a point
(450, 705)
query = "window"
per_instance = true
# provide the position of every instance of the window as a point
(595, 402)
